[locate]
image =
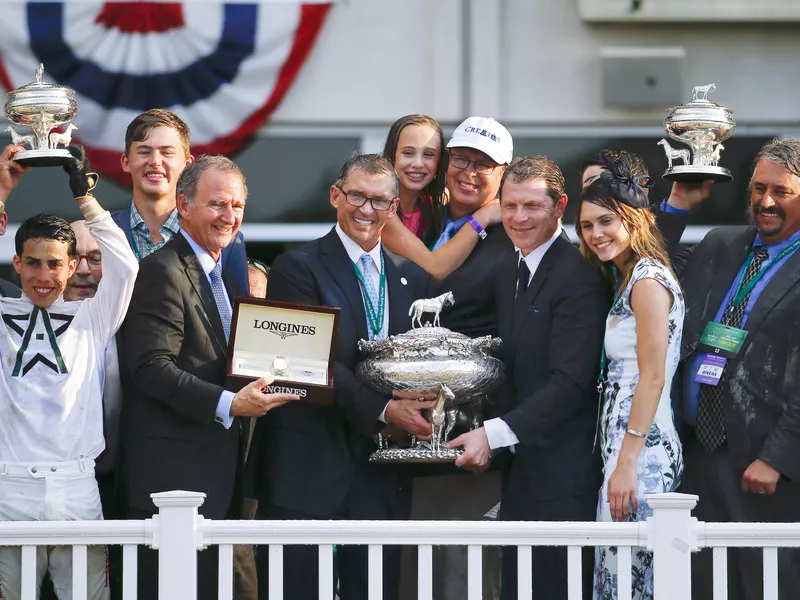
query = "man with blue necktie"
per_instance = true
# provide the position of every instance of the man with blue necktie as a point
(741, 393)
(180, 427)
(156, 152)
(310, 461)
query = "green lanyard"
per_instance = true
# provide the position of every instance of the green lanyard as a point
(743, 291)
(374, 317)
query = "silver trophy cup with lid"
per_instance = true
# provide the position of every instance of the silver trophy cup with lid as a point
(42, 107)
(432, 359)
(703, 126)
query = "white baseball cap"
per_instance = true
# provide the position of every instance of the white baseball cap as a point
(486, 135)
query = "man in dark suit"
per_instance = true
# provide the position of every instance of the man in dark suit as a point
(311, 461)
(552, 307)
(156, 152)
(742, 444)
(180, 427)
(10, 173)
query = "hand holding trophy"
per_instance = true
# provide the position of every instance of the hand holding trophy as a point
(703, 126)
(41, 107)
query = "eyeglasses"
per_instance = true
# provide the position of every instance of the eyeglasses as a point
(94, 260)
(481, 166)
(359, 199)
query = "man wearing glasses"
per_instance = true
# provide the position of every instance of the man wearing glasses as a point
(82, 286)
(310, 461)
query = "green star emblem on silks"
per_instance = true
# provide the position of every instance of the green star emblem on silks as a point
(52, 335)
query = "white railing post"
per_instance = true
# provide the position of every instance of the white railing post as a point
(672, 539)
(176, 539)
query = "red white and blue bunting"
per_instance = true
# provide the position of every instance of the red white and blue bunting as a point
(223, 67)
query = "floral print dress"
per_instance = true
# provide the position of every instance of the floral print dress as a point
(660, 463)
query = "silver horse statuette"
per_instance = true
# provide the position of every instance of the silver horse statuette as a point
(434, 305)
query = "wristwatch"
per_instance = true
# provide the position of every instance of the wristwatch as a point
(279, 366)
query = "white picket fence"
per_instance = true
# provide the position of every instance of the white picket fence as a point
(178, 531)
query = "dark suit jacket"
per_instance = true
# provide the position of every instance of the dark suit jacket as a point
(551, 350)
(9, 290)
(761, 394)
(474, 312)
(234, 257)
(307, 457)
(172, 361)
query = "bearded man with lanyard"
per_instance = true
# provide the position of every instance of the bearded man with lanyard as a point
(741, 392)
(51, 384)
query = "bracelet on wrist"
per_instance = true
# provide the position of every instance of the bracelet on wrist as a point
(477, 227)
(635, 433)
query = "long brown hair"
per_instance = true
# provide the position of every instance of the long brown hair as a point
(646, 240)
(432, 197)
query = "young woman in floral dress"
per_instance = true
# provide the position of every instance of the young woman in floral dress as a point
(637, 436)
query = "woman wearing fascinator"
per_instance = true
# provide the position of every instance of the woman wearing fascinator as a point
(637, 436)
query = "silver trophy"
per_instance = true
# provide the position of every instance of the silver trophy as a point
(42, 107)
(703, 126)
(432, 359)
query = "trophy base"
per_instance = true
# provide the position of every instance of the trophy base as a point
(44, 158)
(697, 174)
(415, 455)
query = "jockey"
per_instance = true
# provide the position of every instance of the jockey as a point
(51, 384)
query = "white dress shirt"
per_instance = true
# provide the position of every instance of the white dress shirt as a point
(498, 432)
(354, 251)
(207, 262)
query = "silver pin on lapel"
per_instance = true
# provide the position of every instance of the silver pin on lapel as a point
(404, 281)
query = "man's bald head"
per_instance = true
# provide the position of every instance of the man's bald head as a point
(83, 283)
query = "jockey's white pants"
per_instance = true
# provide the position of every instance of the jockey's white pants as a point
(51, 492)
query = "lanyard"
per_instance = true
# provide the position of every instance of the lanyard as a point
(743, 291)
(374, 317)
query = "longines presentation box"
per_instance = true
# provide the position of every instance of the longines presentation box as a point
(293, 343)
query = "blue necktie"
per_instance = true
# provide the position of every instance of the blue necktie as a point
(221, 298)
(449, 231)
(365, 264)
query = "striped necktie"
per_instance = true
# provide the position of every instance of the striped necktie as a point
(710, 428)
